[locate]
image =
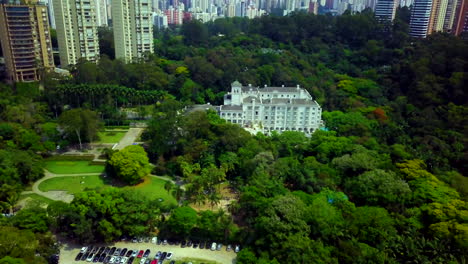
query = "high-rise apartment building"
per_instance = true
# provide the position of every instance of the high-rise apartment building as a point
(461, 19)
(101, 13)
(76, 30)
(26, 42)
(133, 28)
(436, 20)
(385, 9)
(450, 15)
(420, 16)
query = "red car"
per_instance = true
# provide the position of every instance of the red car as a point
(155, 261)
(140, 254)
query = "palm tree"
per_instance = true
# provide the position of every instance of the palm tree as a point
(10, 202)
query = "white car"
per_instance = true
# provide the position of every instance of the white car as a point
(213, 246)
(237, 249)
(124, 260)
(142, 261)
(112, 260)
(90, 257)
(154, 240)
(83, 249)
(135, 253)
(169, 255)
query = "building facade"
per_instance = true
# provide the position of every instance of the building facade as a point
(25, 40)
(420, 16)
(271, 109)
(77, 34)
(133, 28)
(385, 9)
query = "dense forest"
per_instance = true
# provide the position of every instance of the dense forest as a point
(386, 183)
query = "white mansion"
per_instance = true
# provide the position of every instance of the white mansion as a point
(271, 109)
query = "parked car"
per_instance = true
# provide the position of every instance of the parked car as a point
(195, 244)
(134, 240)
(172, 262)
(117, 259)
(96, 258)
(219, 247)
(90, 257)
(165, 242)
(83, 250)
(202, 245)
(147, 252)
(112, 260)
(147, 261)
(78, 257)
(228, 248)
(112, 251)
(101, 250)
(163, 256)
(189, 243)
(117, 252)
(154, 240)
(102, 257)
(130, 260)
(158, 255)
(106, 251)
(237, 249)
(208, 245)
(213, 246)
(124, 260)
(158, 242)
(85, 256)
(107, 259)
(122, 253)
(182, 245)
(142, 261)
(140, 254)
(169, 255)
(154, 261)
(129, 253)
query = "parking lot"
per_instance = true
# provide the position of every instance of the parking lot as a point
(69, 251)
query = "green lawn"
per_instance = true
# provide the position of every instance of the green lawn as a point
(72, 167)
(153, 188)
(72, 184)
(110, 136)
(35, 198)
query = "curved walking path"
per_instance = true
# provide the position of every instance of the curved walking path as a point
(63, 196)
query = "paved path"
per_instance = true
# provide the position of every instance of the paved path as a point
(130, 137)
(55, 195)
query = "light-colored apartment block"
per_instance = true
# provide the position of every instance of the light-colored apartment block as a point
(133, 28)
(25, 40)
(77, 35)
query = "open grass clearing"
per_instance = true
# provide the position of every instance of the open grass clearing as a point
(153, 188)
(195, 261)
(32, 199)
(111, 136)
(73, 185)
(72, 167)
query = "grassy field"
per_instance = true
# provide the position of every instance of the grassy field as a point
(72, 184)
(34, 198)
(153, 188)
(195, 261)
(72, 167)
(110, 136)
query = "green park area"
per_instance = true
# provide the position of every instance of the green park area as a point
(110, 136)
(32, 198)
(152, 188)
(72, 167)
(72, 185)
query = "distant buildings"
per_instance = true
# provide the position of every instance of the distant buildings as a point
(133, 28)
(25, 40)
(385, 9)
(77, 35)
(429, 16)
(270, 109)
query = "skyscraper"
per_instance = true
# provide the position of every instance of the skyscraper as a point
(450, 15)
(461, 18)
(101, 13)
(420, 15)
(385, 9)
(76, 30)
(133, 28)
(436, 20)
(25, 39)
